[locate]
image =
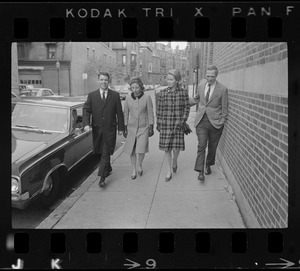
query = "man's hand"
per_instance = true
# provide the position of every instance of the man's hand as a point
(87, 128)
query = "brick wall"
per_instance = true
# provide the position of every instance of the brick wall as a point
(234, 56)
(254, 143)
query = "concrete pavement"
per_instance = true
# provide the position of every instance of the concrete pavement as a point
(148, 202)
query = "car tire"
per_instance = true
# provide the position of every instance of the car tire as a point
(49, 196)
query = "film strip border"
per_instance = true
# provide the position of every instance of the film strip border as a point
(161, 248)
(165, 27)
(135, 249)
(153, 21)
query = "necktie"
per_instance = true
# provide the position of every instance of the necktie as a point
(103, 96)
(207, 94)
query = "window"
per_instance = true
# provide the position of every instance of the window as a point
(21, 51)
(124, 44)
(124, 59)
(51, 54)
(141, 64)
(46, 93)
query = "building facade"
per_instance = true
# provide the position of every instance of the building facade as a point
(68, 68)
(127, 54)
(146, 63)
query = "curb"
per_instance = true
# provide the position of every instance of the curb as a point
(67, 204)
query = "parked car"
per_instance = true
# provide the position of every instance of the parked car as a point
(47, 142)
(38, 92)
(123, 91)
(25, 86)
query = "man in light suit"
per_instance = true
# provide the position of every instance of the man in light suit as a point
(212, 100)
(105, 108)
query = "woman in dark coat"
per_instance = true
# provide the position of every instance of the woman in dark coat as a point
(173, 110)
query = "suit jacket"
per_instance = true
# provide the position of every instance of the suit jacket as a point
(216, 108)
(105, 118)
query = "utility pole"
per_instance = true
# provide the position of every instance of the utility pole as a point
(57, 68)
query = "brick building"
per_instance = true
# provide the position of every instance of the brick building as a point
(14, 68)
(156, 75)
(146, 63)
(128, 58)
(37, 65)
(200, 54)
(253, 149)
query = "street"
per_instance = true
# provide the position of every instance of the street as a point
(35, 214)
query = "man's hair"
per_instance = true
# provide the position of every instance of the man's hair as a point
(104, 74)
(212, 67)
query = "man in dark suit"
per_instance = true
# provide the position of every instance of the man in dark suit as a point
(212, 100)
(105, 108)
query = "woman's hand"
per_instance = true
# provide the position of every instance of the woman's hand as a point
(125, 132)
(151, 132)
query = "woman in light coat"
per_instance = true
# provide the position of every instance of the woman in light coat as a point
(139, 121)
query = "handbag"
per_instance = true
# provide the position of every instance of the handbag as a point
(185, 128)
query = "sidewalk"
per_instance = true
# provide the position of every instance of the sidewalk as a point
(149, 202)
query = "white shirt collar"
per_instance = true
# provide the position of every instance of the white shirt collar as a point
(212, 85)
(102, 90)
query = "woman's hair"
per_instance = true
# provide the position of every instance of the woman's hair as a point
(177, 75)
(137, 80)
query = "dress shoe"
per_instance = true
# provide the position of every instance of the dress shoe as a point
(167, 179)
(175, 169)
(201, 176)
(102, 182)
(140, 172)
(133, 177)
(207, 170)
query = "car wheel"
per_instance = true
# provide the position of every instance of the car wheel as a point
(50, 194)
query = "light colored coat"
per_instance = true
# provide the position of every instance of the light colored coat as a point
(216, 108)
(138, 115)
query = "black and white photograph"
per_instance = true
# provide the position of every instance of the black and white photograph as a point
(149, 135)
